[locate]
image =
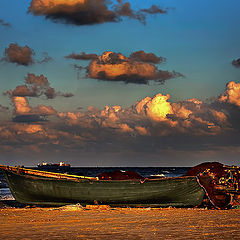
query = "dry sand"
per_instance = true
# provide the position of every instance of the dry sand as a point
(118, 223)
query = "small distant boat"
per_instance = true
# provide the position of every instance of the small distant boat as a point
(54, 166)
(215, 183)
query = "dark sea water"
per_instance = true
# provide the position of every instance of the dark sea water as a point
(94, 171)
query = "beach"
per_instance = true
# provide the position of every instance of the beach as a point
(104, 222)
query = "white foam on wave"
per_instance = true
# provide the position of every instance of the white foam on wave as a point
(5, 194)
(158, 175)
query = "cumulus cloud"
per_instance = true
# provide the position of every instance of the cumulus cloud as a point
(151, 125)
(236, 63)
(19, 55)
(25, 113)
(36, 86)
(112, 66)
(83, 12)
(152, 116)
(5, 24)
(82, 56)
(21, 105)
(146, 57)
(231, 94)
(156, 108)
(22, 55)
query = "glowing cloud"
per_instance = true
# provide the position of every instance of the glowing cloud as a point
(21, 105)
(153, 124)
(156, 108)
(112, 66)
(83, 12)
(231, 94)
(78, 12)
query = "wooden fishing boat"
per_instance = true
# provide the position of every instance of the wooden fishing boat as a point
(213, 183)
(46, 188)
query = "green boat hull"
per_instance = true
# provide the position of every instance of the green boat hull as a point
(163, 192)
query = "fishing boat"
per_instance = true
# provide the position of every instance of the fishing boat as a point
(36, 187)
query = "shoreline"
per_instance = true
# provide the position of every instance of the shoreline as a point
(104, 222)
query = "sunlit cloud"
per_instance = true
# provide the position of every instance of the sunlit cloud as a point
(87, 12)
(19, 55)
(36, 86)
(111, 66)
(231, 94)
(154, 123)
(23, 112)
(22, 55)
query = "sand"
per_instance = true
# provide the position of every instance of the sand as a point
(104, 222)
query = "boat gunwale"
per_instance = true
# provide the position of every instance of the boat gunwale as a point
(75, 178)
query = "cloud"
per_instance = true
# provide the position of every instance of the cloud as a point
(78, 12)
(23, 91)
(152, 117)
(146, 57)
(21, 105)
(112, 66)
(82, 56)
(25, 113)
(124, 9)
(236, 63)
(231, 94)
(36, 86)
(154, 10)
(19, 55)
(156, 108)
(22, 55)
(152, 126)
(88, 12)
(5, 24)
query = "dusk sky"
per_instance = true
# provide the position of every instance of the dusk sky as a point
(119, 83)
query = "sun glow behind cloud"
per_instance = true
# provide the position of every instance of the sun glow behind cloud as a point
(153, 119)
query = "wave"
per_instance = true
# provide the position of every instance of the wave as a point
(5, 194)
(158, 175)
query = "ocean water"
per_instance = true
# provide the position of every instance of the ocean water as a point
(5, 193)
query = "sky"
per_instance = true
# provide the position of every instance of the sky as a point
(120, 82)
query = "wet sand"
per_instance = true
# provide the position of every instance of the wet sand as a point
(104, 222)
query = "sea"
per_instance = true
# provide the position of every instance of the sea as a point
(5, 193)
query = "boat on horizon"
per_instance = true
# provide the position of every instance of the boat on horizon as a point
(216, 184)
(54, 166)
